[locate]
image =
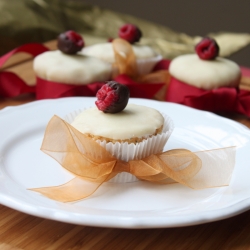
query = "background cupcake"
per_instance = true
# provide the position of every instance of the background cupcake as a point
(145, 57)
(67, 66)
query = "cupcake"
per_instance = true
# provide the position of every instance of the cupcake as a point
(67, 66)
(145, 56)
(127, 131)
(205, 69)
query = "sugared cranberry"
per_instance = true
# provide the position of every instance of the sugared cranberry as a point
(112, 97)
(70, 42)
(130, 33)
(207, 49)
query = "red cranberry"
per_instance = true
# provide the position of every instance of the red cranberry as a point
(112, 97)
(70, 42)
(207, 49)
(130, 33)
(110, 40)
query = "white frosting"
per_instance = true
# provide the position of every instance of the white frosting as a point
(135, 121)
(205, 74)
(105, 52)
(71, 69)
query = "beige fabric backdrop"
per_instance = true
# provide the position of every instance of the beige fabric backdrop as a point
(23, 21)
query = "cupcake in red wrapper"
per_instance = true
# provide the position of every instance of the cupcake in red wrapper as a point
(204, 80)
(68, 71)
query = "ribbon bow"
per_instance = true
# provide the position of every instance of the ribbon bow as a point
(93, 165)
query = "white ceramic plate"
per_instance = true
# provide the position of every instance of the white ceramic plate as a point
(122, 205)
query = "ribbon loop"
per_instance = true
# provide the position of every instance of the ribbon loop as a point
(125, 60)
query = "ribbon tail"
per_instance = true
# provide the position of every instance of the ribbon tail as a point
(74, 190)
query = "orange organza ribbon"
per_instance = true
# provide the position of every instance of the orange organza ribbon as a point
(125, 63)
(92, 165)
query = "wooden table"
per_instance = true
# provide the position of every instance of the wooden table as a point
(22, 231)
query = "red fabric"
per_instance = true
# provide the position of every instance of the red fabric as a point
(217, 100)
(12, 85)
(33, 49)
(245, 71)
(140, 90)
(47, 89)
(163, 64)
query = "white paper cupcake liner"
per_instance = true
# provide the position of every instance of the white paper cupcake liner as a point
(145, 66)
(130, 151)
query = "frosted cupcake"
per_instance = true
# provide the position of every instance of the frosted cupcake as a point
(205, 69)
(127, 131)
(145, 56)
(67, 66)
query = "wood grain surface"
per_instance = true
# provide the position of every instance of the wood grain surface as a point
(21, 231)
